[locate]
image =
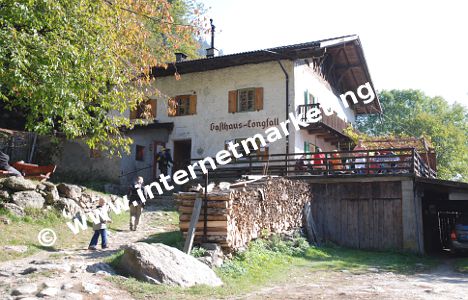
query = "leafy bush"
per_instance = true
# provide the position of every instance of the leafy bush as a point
(295, 247)
(198, 252)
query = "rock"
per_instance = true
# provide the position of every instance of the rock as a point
(51, 195)
(28, 199)
(5, 220)
(373, 270)
(28, 298)
(14, 209)
(5, 274)
(28, 270)
(161, 264)
(19, 184)
(50, 266)
(69, 190)
(214, 255)
(90, 288)
(4, 196)
(70, 206)
(106, 297)
(101, 268)
(48, 292)
(67, 286)
(50, 284)
(19, 249)
(72, 296)
(26, 289)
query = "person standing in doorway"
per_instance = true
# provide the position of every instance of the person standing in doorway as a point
(164, 158)
(136, 204)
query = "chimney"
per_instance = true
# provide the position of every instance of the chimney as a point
(212, 51)
(179, 57)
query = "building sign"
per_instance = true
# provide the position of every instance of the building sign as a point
(224, 126)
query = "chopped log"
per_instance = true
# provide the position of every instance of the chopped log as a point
(217, 224)
(211, 217)
(214, 211)
(218, 204)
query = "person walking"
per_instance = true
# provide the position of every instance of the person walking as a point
(100, 229)
(4, 159)
(164, 158)
(136, 204)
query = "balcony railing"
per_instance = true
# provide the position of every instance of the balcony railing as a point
(332, 121)
(379, 162)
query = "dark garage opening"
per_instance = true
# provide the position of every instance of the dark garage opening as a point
(439, 218)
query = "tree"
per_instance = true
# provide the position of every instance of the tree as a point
(412, 113)
(76, 66)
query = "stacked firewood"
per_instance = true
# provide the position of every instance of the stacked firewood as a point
(236, 216)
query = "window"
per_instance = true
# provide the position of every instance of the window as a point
(144, 110)
(140, 153)
(250, 99)
(182, 105)
(246, 100)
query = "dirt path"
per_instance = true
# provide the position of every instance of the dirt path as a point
(65, 272)
(440, 283)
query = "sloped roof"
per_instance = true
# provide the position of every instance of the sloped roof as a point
(341, 58)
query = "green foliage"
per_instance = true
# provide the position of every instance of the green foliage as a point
(198, 252)
(412, 113)
(76, 66)
(170, 238)
(262, 253)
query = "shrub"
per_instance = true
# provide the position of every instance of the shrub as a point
(198, 252)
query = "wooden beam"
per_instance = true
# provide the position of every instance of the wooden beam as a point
(193, 224)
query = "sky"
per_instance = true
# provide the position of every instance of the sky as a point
(407, 44)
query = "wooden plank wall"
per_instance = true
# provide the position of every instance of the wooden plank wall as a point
(359, 215)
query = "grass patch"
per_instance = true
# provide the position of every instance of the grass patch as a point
(461, 265)
(24, 231)
(274, 261)
(170, 238)
(168, 218)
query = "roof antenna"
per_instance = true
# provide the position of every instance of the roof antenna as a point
(212, 51)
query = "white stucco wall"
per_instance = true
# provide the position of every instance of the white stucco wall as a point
(306, 79)
(212, 89)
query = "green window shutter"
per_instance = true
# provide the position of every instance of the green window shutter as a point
(306, 97)
(306, 147)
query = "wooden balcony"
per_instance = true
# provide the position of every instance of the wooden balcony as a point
(329, 127)
(377, 162)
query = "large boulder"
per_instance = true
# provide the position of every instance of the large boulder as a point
(18, 184)
(69, 190)
(161, 264)
(28, 199)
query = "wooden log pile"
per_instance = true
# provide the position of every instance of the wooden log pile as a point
(237, 216)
